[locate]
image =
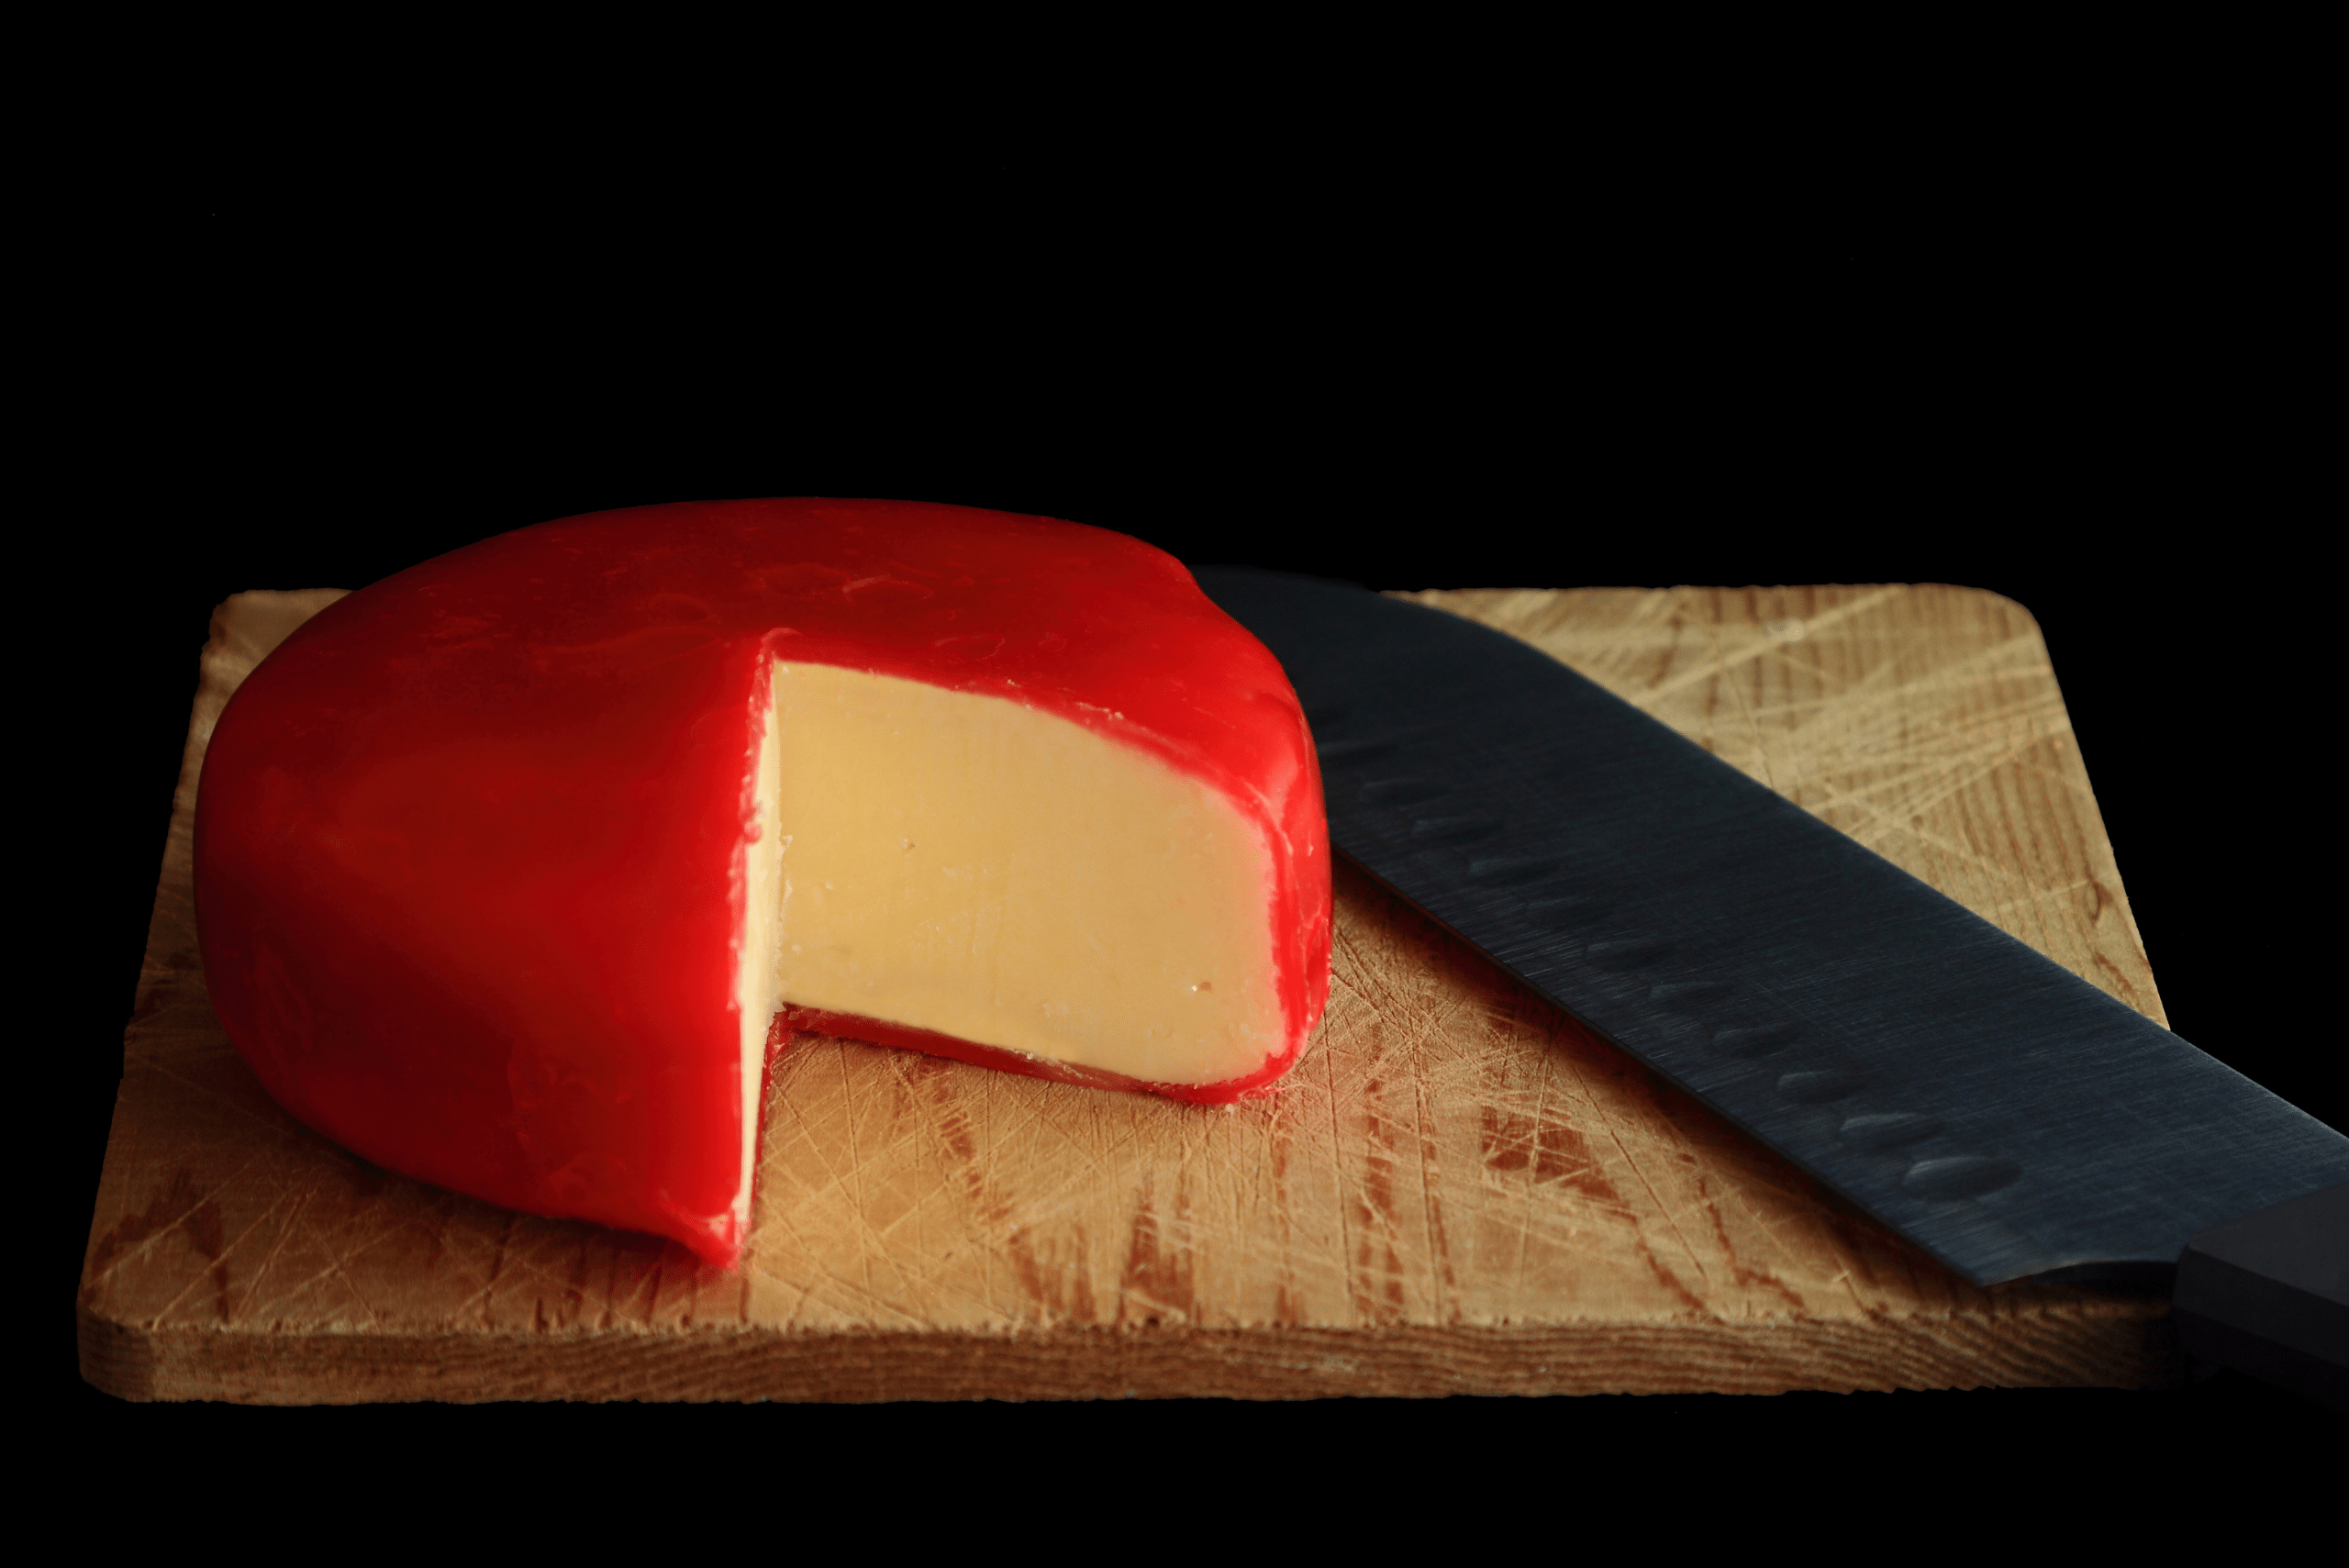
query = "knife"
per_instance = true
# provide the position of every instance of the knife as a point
(1983, 1101)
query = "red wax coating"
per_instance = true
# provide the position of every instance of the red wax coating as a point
(470, 846)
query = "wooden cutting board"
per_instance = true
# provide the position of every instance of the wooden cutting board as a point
(1458, 1191)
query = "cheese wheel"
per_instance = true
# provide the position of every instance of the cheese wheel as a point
(511, 867)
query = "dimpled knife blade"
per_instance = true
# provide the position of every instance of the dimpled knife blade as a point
(1993, 1108)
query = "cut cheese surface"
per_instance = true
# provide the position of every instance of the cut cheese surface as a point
(962, 865)
(511, 867)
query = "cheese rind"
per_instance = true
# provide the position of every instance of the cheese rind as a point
(500, 861)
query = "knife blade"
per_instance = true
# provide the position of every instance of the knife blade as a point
(1999, 1112)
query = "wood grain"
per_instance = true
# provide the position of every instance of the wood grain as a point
(1458, 1191)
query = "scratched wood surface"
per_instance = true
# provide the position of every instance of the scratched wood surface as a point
(1457, 1191)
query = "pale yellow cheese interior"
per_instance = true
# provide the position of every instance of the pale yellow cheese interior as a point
(973, 866)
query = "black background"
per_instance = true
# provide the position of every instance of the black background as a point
(2073, 392)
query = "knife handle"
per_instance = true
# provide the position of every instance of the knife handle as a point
(2269, 1296)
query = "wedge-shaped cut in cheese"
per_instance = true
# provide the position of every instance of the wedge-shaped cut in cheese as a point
(965, 865)
(511, 868)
